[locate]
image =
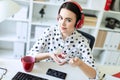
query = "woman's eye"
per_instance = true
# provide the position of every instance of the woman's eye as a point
(68, 20)
(60, 18)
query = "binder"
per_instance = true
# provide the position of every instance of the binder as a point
(118, 62)
(107, 41)
(101, 38)
(21, 31)
(114, 57)
(18, 30)
(19, 49)
(24, 31)
(104, 58)
(115, 40)
(110, 57)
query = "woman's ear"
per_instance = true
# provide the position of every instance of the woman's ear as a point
(58, 18)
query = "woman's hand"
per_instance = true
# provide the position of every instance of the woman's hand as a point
(58, 58)
(75, 61)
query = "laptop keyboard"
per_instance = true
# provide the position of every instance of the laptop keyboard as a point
(25, 76)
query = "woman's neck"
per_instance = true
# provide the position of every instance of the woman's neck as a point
(65, 35)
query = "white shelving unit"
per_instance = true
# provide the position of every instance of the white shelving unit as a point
(11, 34)
(8, 34)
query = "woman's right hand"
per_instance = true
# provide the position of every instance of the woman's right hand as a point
(56, 58)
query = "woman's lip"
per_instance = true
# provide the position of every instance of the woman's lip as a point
(63, 28)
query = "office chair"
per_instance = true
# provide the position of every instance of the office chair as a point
(90, 38)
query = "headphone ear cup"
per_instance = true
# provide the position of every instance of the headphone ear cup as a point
(80, 23)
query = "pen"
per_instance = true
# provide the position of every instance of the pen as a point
(102, 77)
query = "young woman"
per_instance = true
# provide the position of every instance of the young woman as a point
(74, 46)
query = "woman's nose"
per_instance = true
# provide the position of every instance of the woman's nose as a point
(63, 22)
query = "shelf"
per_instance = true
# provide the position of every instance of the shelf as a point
(44, 21)
(102, 27)
(23, 2)
(46, 3)
(112, 12)
(8, 37)
(98, 48)
(16, 19)
(7, 54)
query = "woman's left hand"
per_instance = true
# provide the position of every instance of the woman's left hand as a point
(75, 61)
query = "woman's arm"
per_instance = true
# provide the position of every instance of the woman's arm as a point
(89, 71)
(42, 56)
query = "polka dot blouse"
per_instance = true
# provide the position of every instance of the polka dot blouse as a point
(76, 45)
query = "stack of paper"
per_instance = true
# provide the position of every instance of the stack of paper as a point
(90, 20)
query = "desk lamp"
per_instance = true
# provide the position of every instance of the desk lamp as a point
(7, 9)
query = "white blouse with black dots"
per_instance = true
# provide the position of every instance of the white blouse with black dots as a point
(76, 45)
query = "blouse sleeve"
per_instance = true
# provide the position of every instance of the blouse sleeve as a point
(40, 44)
(87, 57)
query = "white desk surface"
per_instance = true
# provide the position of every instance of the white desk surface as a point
(109, 70)
(13, 66)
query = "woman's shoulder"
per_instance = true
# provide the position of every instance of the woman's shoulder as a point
(81, 37)
(52, 28)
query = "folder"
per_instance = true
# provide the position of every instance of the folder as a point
(115, 40)
(100, 38)
(19, 49)
(107, 41)
(21, 31)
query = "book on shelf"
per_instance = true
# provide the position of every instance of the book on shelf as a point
(90, 20)
(93, 24)
(101, 38)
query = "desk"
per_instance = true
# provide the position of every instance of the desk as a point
(13, 66)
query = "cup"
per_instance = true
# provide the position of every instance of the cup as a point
(28, 63)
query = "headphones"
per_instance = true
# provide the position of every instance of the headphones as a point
(80, 22)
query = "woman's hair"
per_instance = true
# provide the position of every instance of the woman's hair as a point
(72, 7)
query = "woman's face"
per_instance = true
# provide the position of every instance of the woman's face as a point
(67, 20)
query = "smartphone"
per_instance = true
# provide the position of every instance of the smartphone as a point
(56, 73)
